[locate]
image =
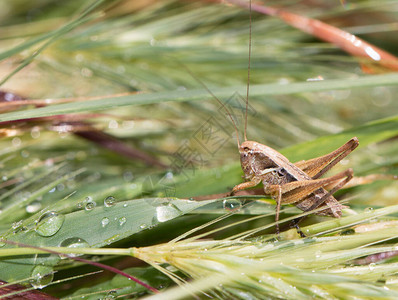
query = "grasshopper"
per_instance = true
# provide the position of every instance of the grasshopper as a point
(299, 183)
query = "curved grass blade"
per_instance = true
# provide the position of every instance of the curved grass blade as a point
(201, 94)
(373, 132)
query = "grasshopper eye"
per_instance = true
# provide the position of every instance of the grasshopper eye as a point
(281, 172)
(246, 149)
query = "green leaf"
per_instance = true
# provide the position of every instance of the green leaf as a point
(91, 227)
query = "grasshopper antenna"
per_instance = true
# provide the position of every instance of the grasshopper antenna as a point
(248, 66)
(215, 97)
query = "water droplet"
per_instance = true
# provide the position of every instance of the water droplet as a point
(125, 205)
(110, 295)
(143, 226)
(35, 132)
(79, 57)
(109, 201)
(368, 209)
(33, 207)
(104, 221)
(16, 226)
(60, 187)
(90, 205)
(74, 242)
(167, 211)
(372, 266)
(25, 153)
(128, 176)
(86, 72)
(49, 223)
(16, 142)
(122, 221)
(232, 204)
(112, 239)
(41, 276)
(21, 229)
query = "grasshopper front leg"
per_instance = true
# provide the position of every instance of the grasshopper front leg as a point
(246, 185)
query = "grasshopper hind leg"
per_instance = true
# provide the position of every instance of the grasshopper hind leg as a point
(334, 186)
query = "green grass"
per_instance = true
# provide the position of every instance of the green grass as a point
(67, 194)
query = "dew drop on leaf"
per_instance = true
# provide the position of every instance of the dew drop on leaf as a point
(49, 223)
(110, 295)
(35, 132)
(104, 221)
(41, 276)
(109, 201)
(90, 205)
(33, 207)
(16, 225)
(122, 221)
(74, 242)
(368, 209)
(232, 204)
(167, 212)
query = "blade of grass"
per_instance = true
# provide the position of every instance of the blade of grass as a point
(201, 94)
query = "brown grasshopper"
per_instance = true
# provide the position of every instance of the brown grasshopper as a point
(300, 183)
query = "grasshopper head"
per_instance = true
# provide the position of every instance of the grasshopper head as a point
(255, 158)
